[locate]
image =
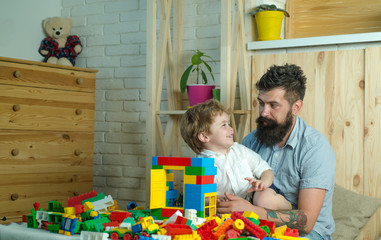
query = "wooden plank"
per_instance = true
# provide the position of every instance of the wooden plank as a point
(332, 17)
(47, 65)
(42, 193)
(54, 78)
(45, 109)
(333, 104)
(372, 139)
(39, 152)
(348, 119)
(225, 71)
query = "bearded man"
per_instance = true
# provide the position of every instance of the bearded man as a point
(302, 159)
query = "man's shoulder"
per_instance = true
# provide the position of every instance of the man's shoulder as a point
(310, 135)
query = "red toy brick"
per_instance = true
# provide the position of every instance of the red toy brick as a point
(205, 179)
(291, 232)
(269, 224)
(178, 229)
(249, 226)
(119, 216)
(168, 212)
(71, 202)
(174, 161)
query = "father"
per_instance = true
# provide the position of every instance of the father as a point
(302, 159)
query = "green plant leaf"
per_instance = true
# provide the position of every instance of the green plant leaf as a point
(196, 58)
(210, 69)
(204, 77)
(184, 79)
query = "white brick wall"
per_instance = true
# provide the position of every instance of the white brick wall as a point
(114, 39)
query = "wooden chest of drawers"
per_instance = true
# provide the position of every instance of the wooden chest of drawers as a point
(46, 134)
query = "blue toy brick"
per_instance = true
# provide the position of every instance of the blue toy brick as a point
(194, 195)
(136, 228)
(172, 194)
(210, 171)
(202, 162)
(154, 161)
(170, 185)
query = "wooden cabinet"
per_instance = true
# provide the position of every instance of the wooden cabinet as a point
(46, 134)
(343, 102)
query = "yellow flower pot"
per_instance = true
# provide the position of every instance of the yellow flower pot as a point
(269, 25)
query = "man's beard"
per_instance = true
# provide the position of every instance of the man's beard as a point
(273, 132)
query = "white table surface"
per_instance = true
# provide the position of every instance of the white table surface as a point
(20, 231)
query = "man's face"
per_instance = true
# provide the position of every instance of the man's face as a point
(276, 118)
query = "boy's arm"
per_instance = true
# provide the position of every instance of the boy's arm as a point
(266, 180)
(267, 177)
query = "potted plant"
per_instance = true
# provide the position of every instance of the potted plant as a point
(269, 21)
(198, 93)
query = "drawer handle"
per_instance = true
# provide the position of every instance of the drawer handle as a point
(77, 152)
(16, 107)
(14, 196)
(17, 74)
(79, 81)
(15, 152)
(78, 111)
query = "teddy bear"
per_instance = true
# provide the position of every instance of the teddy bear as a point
(59, 47)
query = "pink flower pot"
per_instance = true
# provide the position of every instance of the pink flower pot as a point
(199, 93)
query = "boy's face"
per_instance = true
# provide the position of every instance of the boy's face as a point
(220, 136)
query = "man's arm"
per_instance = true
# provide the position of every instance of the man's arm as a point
(303, 219)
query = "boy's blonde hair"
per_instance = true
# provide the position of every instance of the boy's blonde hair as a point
(199, 119)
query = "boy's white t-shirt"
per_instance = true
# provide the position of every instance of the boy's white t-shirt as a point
(232, 169)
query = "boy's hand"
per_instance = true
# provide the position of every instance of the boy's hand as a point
(257, 185)
(221, 199)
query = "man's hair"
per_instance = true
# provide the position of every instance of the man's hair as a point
(289, 77)
(198, 119)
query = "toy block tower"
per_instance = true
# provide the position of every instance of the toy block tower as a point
(199, 191)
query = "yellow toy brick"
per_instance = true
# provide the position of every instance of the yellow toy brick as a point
(190, 179)
(247, 214)
(88, 206)
(69, 210)
(170, 177)
(193, 236)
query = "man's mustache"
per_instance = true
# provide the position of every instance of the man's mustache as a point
(262, 120)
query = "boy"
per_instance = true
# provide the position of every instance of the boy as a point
(207, 131)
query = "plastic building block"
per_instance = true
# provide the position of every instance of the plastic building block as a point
(193, 236)
(71, 202)
(238, 225)
(85, 235)
(167, 212)
(158, 188)
(269, 224)
(174, 161)
(248, 214)
(178, 229)
(119, 216)
(249, 226)
(161, 237)
(136, 228)
(205, 231)
(68, 224)
(291, 232)
(221, 230)
(202, 162)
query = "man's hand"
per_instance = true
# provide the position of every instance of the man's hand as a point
(233, 203)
